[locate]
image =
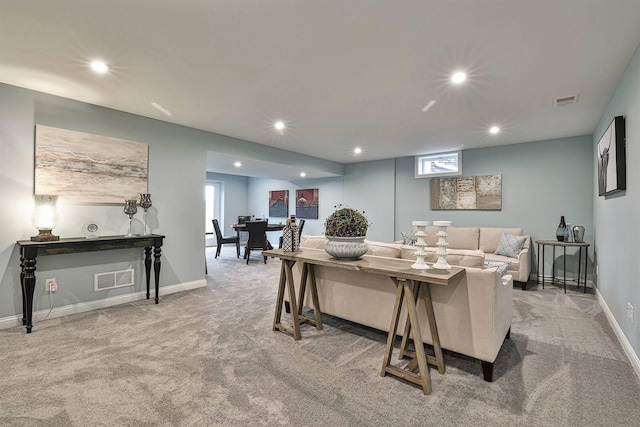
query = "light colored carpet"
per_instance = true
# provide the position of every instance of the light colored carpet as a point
(208, 357)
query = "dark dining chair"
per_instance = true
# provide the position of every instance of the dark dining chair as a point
(300, 226)
(224, 240)
(257, 238)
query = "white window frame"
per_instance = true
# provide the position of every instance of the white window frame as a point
(420, 160)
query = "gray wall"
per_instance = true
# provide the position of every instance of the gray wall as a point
(330, 193)
(234, 200)
(616, 218)
(177, 176)
(540, 182)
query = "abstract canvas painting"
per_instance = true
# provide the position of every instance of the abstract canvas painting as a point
(85, 168)
(279, 203)
(467, 192)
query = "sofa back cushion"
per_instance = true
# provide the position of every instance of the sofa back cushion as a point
(458, 257)
(391, 250)
(489, 237)
(313, 242)
(459, 237)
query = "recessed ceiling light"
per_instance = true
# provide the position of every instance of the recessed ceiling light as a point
(302, 174)
(278, 125)
(494, 129)
(458, 77)
(357, 150)
(99, 67)
(237, 164)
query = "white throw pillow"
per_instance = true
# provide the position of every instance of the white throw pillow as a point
(510, 245)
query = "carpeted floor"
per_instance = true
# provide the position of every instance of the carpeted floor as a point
(208, 357)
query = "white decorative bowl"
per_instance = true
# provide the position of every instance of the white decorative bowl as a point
(346, 248)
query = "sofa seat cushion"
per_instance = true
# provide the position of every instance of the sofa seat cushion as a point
(458, 257)
(391, 250)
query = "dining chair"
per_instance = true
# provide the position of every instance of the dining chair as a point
(257, 238)
(224, 240)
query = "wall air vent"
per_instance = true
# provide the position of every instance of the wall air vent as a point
(565, 100)
(113, 279)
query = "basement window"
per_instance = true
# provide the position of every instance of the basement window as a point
(440, 164)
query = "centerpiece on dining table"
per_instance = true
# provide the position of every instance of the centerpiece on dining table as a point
(346, 229)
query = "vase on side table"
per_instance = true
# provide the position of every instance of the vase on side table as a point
(561, 230)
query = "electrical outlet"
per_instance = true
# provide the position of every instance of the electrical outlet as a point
(630, 312)
(51, 285)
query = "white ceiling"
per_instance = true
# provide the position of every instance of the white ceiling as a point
(339, 73)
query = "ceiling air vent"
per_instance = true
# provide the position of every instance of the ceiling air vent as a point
(565, 100)
(113, 279)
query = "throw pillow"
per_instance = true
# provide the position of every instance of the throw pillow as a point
(501, 267)
(510, 245)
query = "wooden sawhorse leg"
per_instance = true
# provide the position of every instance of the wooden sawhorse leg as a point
(286, 281)
(409, 290)
(308, 273)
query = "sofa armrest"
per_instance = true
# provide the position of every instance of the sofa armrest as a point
(524, 260)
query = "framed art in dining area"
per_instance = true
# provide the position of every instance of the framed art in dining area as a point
(612, 168)
(307, 203)
(279, 203)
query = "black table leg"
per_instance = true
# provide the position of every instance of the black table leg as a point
(147, 266)
(28, 279)
(553, 267)
(580, 265)
(542, 266)
(565, 268)
(156, 267)
(538, 278)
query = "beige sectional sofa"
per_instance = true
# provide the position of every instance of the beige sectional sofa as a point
(473, 313)
(484, 239)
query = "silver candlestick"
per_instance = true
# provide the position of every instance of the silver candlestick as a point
(130, 208)
(145, 203)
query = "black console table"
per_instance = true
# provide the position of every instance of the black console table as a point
(29, 251)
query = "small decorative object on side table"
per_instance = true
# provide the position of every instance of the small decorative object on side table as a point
(420, 245)
(45, 217)
(561, 230)
(130, 208)
(145, 203)
(442, 244)
(290, 238)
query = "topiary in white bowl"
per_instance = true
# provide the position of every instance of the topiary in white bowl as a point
(346, 230)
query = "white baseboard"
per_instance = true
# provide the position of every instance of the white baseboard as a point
(626, 346)
(12, 321)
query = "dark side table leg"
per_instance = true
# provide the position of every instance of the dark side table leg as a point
(156, 268)
(564, 266)
(28, 279)
(580, 265)
(147, 266)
